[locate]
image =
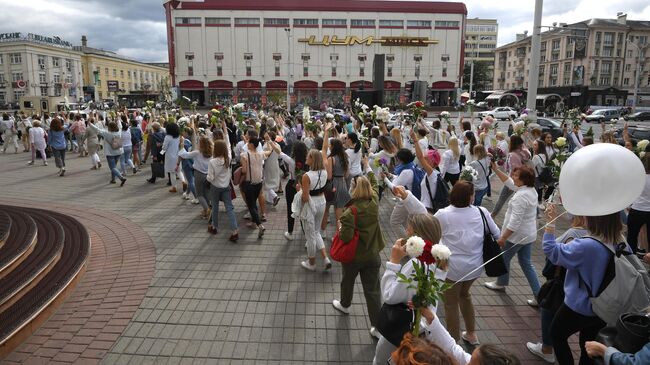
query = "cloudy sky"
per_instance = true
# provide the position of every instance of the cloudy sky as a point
(136, 28)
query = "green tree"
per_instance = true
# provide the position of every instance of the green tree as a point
(482, 75)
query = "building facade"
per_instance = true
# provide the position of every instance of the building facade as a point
(593, 62)
(480, 43)
(247, 51)
(35, 65)
(107, 75)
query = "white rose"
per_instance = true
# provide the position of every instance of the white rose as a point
(440, 252)
(415, 246)
(329, 116)
(560, 142)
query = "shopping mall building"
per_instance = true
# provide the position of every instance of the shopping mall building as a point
(247, 51)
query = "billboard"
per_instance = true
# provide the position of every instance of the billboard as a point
(578, 75)
(113, 85)
(580, 50)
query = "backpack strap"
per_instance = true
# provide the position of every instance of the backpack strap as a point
(426, 179)
(486, 228)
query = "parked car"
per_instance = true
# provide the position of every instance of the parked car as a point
(603, 115)
(637, 133)
(482, 105)
(638, 116)
(504, 112)
(551, 126)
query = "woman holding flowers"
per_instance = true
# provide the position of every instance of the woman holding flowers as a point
(480, 163)
(296, 164)
(424, 233)
(200, 160)
(450, 165)
(336, 164)
(169, 150)
(366, 263)
(219, 178)
(252, 165)
(313, 208)
(462, 231)
(519, 230)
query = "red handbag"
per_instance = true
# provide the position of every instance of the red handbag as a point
(344, 252)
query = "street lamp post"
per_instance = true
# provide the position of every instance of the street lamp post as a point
(288, 31)
(533, 72)
(637, 72)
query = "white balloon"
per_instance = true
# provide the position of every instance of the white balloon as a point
(601, 179)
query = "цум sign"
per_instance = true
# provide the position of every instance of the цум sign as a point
(385, 41)
(113, 85)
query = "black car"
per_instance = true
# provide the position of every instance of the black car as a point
(638, 116)
(636, 133)
(551, 126)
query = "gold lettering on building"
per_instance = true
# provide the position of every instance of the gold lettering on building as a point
(369, 40)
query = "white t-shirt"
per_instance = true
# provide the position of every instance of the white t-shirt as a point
(433, 183)
(354, 159)
(642, 203)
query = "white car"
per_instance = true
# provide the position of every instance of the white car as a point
(504, 112)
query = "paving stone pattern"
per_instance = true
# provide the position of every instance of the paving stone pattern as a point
(211, 301)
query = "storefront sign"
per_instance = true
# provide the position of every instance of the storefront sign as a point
(8, 36)
(578, 75)
(369, 40)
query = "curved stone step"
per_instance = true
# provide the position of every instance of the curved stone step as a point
(5, 226)
(33, 267)
(36, 305)
(20, 240)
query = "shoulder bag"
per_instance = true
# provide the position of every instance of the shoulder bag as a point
(492, 258)
(344, 252)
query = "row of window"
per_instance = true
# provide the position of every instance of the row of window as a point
(17, 58)
(144, 75)
(315, 22)
(481, 28)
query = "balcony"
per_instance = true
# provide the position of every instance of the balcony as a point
(519, 78)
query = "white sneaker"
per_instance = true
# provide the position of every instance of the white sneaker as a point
(188, 196)
(195, 201)
(288, 236)
(374, 333)
(30, 163)
(184, 196)
(532, 303)
(536, 349)
(328, 263)
(494, 286)
(247, 216)
(308, 266)
(339, 307)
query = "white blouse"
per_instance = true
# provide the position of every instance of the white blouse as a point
(521, 216)
(449, 163)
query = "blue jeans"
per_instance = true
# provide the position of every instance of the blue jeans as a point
(222, 194)
(125, 159)
(112, 165)
(523, 255)
(547, 319)
(478, 196)
(189, 175)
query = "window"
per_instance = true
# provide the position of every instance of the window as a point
(122, 73)
(446, 24)
(629, 54)
(18, 94)
(41, 62)
(608, 38)
(122, 84)
(217, 21)
(606, 68)
(249, 71)
(58, 90)
(362, 23)
(305, 69)
(248, 56)
(555, 45)
(277, 69)
(335, 23)
(56, 62)
(128, 73)
(106, 71)
(543, 47)
(2, 78)
(607, 51)
(247, 21)
(598, 36)
(188, 21)
(569, 54)
(628, 67)
(190, 69)
(389, 70)
(567, 67)
(617, 68)
(391, 23)
(3, 97)
(114, 73)
(16, 58)
(1, 59)
(68, 65)
(604, 80)
(305, 22)
(41, 78)
(418, 24)
(276, 22)
(481, 28)
(362, 71)
(567, 80)
(16, 76)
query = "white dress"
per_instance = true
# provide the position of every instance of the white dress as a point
(170, 151)
(271, 170)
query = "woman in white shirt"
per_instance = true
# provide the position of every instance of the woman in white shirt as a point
(219, 178)
(37, 141)
(127, 147)
(519, 230)
(200, 158)
(354, 156)
(428, 160)
(393, 290)
(640, 210)
(312, 196)
(450, 165)
(469, 142)
(463, 226)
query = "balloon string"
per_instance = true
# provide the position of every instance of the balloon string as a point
(503, 252)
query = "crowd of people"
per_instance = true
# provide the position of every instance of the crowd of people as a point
(435, 178)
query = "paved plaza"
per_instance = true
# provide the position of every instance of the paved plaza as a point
(208, 300)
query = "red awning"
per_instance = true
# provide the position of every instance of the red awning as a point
(220, 84)
(392, 85)
(334, 85)
(305, 85)
(249, 85)
(356, 84)
(191, 85)
(443, 85)
(276, 85)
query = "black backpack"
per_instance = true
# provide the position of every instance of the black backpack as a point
(441, 199)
